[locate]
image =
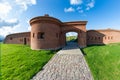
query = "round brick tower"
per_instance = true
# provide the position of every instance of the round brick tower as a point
(45, 32)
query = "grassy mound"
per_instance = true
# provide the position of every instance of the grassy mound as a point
(104, 61)
(19, 62)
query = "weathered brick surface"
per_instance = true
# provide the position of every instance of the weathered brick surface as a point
(67, 64)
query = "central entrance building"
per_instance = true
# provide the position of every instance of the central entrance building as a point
(50, 33)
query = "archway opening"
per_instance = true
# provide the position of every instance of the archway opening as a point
(71, 37)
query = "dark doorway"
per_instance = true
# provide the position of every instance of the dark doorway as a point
(25, 41)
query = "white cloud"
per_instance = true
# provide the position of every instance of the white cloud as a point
(90, 5)
(8, 7)
(80, 11)
(10, 12)
(76, 2)
(70, 9)
(29, 28)
(5, 8)
(8, 30)
(79, 8)
(71, 34)
(88, 8)
(80, 5)
(10, 23)
(12, 20)
(24, 3)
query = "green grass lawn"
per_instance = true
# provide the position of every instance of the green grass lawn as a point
(19, 62)
(104, 61)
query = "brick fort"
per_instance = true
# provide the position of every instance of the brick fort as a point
(50, 33)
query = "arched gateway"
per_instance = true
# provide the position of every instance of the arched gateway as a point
(49, 33)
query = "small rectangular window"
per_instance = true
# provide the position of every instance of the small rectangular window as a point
(11, 38)
(99, 38)
(40, 35)
(105, 37)
(33, 35)
(111, 37)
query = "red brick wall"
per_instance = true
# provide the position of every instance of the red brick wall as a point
(103, 36)
(18, 38)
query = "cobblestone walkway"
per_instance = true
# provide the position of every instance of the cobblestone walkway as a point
(67, 64)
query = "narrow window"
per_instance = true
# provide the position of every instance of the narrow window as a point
(111, 37)
(40, 35)
(11, 38)
(105, 37)
(33, 35)
(108, 37)
(99, 38)
(25, 41)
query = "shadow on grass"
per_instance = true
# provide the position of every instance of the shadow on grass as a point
(95, 45)
(53, 51)
(90, 46)
(83, 52)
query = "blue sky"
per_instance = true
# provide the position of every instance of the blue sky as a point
(100, 14)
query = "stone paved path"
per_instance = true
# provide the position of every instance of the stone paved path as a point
(67, 64)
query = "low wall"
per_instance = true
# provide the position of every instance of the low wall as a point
(18, 38)
(103, 36)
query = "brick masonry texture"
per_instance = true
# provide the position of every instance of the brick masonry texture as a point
(50, 33)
